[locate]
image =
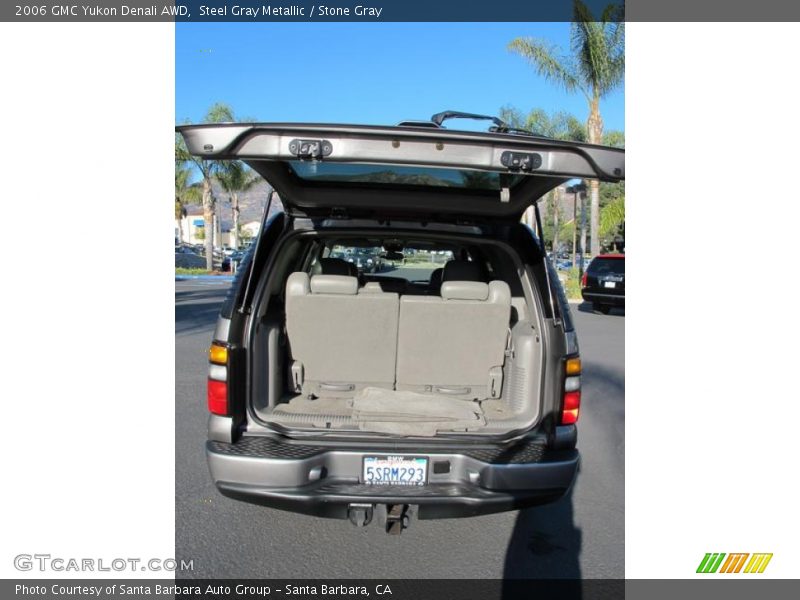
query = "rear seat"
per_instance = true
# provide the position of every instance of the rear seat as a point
(343, 339)
(340, 339)
(455, 343)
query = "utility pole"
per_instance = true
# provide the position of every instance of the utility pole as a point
(556, 198)
(578, 192)
(574, 193)
(583, 229)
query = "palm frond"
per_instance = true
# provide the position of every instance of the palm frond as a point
(599, 49)
(539, 122)
(548, 64)
(250, 179)
(613, 13)
(219, 113)
(567, 126)
(512, 116)
(614, 138)
(186, 192)
(233, 176)
(612, 215)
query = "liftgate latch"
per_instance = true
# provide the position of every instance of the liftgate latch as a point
(521, 161)
(313, 149)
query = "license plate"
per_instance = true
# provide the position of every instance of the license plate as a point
(610, 284)
(394, 470)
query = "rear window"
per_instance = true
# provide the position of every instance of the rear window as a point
(603, 266)
(412, 264)
(399, 175)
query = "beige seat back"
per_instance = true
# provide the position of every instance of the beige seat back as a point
(455, 344)
(340, 340)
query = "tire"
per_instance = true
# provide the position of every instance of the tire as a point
(601, 308)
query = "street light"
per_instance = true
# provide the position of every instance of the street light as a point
(578, 190)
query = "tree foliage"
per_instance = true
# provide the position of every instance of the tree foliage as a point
(234, 177)
(612, 211)
(217, 113)
(560, 125)
(595, 64)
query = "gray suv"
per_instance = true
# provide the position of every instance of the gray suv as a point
(445, 383)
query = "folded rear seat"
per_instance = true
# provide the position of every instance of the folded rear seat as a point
(455, 343)
(340, 340)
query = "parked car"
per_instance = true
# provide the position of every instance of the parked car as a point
(234, 257)
(185, 249)
(603, 283)
(356, 395)
(189, 260)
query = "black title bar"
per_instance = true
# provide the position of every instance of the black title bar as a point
(390, 10)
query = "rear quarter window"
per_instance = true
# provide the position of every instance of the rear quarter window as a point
(603, 266)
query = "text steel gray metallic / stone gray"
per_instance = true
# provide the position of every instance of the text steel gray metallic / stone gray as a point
(390, 11)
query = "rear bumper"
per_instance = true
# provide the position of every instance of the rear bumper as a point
(603, 298)
(323, 481)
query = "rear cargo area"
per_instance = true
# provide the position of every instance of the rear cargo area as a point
(390, 411)
(458, 353)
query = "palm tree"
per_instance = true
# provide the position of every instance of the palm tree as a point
(185, 193)
(234, 178)
(595, 67)
(218, 113)
(561, 126)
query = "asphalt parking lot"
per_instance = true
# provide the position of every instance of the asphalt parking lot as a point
(580, 536)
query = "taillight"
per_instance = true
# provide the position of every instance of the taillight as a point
(218, 397)
(571, 402)
(572, 406)
(583, 279)
(218, 379)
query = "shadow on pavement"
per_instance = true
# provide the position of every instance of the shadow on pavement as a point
(586, 307)
(594, 374)
(190, 318)
(197, 309)
(545, 544)
(201, 294)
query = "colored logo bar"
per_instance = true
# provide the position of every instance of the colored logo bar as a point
(714, 562)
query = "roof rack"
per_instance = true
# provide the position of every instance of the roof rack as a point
(499, 126)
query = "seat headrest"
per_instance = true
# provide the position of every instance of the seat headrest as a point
(337, 266)
(464, 290)
(334, 284)
(463, 270)
(496, 292)
(298, 284)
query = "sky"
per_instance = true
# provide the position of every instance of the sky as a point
(367, 73)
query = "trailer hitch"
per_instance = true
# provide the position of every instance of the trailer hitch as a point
(398, 518)
(393, 517)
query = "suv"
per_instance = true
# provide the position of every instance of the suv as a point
(445, 384)
(603, 283)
